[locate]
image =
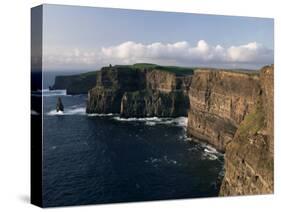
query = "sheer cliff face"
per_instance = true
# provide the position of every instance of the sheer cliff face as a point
(165, 95)
(139, 93)
(249, 156)
(234, 112)
(111, 84)
(219, 101)
(267, 86)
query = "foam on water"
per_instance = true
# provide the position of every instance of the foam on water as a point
(155, 119)
(210, 149)
(210, 152)
(77, 110)
(48, 93)
(161, 161)
(209, 156)
(55, 113)
(68, 111)
(184, 137)
(101, 114)
(152, 121)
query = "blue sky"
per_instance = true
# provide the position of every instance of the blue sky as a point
(86, 38)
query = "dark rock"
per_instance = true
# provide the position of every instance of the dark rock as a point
(59, 106)
(149, 103)
(139, 92)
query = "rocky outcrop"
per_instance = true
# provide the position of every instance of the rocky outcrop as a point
(219, 101)
(249, 156)
(75, 84)
(139, 92)
(59, 106)
(112, 83)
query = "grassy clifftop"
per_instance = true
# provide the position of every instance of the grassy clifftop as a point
(82, 83)
(178, 70)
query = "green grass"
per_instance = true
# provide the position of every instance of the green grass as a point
(144, 65)
(176, 70)
(253, 122)
(149, 66)
(89, 74)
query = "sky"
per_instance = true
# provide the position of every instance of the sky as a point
(87, 38)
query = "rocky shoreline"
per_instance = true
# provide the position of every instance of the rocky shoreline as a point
(231, 110)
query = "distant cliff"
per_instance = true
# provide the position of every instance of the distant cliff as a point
(76, 84)
(249, 164)
(141, 91)
(219, 101)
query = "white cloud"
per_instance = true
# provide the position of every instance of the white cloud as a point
(178, 53)
(250, 52)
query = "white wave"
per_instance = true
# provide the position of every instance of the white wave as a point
(77, 110)
(152, 121)
(184, 137)
(210, 152)
(181, 121)
(209, 156)
(68, 111)
(188, 138)
(161, 161)
(156, 119)
(55, 113)
(210, 149)
(101, 114)
(47, 92)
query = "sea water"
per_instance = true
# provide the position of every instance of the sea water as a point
(104, 158)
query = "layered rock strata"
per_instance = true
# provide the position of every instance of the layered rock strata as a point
(135, 92)
(219, 101)
(249, 164)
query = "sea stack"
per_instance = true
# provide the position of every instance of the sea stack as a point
(59, 106)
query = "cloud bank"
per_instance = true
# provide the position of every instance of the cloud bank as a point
(182, 53)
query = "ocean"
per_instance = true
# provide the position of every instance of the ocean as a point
(103, 158)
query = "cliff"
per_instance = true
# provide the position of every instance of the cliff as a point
(219, 101)
(233, 111)
(249, 164)
(112, 83)
(141, 91)
(76, 84)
